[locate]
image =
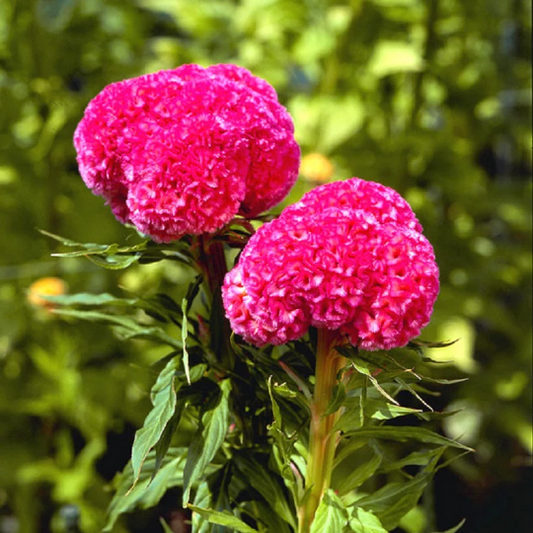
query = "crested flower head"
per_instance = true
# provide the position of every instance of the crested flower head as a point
(183, 151)
(347, 257)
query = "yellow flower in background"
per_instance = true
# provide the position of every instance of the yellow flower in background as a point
(43, 287)
(316, 167)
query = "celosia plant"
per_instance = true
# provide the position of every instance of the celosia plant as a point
(183, 151)
(349, 260)
(186, 155)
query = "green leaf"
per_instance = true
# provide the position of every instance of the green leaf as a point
(376, 409)
(456, 528)
(362, 369)
(282, 448)
(393, 501)
(406, 433)
(83, 298)
(356, 477)
(192, 292)
(128, 325)
(261, 479)
(379, 410)
(349, 446)
(163, 444)
(146, 492)
(262, 512)
(331, 515)
(202, 499)
(413, 392)
(207, 441)
(113, 262)
(284, 390)
(184, 305)
(415, 458)
(165, 526)
(337, 399)
(163, 396)
(213, 494)
(223, 518)
(365, 522)
(69, 242)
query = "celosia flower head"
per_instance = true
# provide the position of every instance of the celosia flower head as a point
(183, 151)
(349, 256)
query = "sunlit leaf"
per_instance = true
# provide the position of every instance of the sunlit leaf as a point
(331, 515)
(84, 298)
(113, 262)
(365, 522)
(223, 519)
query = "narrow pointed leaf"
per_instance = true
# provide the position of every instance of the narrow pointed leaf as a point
(207, 441)
(163, 395)
(265, 483)
(395, 500)
(407, 433)
(83, 298)
(359, 475)
(146, 492)
(128, 325)
(184, 340)
(456, 528)
(113, 262)
(223, 518)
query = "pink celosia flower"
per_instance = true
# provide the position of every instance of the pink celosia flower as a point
(347, 257)
(183, 151)
(383, 202)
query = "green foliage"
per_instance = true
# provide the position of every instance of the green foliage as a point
(330, 515)
(432, 98)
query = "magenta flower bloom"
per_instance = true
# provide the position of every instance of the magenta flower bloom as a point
(183, 151)
(350, 257)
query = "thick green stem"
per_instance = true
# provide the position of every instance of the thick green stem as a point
(322, 440)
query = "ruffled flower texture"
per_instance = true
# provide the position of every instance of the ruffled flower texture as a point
(183, 151)
(349, 256)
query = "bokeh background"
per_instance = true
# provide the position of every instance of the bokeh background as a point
(431, 97)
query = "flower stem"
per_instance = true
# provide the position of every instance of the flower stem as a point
(214, 266)
(322, 440)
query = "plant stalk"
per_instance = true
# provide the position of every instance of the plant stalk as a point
(322, 440)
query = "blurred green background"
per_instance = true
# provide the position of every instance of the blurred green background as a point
(431, 97)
